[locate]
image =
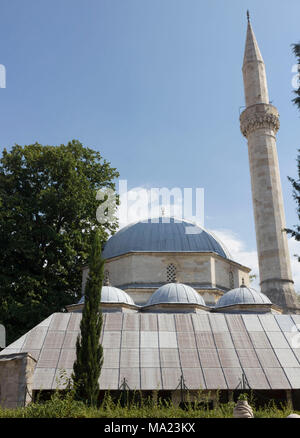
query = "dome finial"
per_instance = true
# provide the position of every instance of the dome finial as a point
(248, 16)
(106, 281)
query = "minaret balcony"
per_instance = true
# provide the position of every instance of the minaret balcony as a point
(260, 115)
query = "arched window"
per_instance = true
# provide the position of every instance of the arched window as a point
(106, 278)
(171, 273)
(231, 280)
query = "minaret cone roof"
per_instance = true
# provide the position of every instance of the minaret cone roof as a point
(252, 52)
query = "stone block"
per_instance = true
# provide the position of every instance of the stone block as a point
(16, 376)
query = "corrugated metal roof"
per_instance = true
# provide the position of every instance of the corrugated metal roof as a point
(152, 351)
(166, 234)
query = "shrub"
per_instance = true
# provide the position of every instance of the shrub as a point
(63, 405)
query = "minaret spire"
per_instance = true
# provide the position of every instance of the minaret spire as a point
(248, 16)
(259, 124)
(254, 71)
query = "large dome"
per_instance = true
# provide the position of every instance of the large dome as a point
(242, 295)
(176, 293)
(110, 294)
(163, 235)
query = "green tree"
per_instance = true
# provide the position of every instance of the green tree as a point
(89, 351)
(296, 51)
(296, 182)
(47, 211)
(295, 232)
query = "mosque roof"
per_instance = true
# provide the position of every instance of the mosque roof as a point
(110, 294)
(242, 295)
(151, 351)
(176, 293)
(163, 234)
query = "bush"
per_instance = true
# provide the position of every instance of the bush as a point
(63, 405)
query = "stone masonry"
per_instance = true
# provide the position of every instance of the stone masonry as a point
(259, 124)
(141, 274)
(16, 379)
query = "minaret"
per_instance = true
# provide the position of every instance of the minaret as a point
(259, 124)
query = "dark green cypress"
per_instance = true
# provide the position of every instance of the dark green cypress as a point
(89, 351)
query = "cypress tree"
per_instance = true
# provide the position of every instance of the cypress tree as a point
(89, 351)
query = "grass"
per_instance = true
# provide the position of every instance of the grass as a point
(64, 406)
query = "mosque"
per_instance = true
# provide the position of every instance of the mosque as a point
(179, 314)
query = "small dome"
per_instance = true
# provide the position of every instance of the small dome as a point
(242, 295)
(176, 293)
(110, 294)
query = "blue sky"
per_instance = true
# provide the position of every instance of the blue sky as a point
(155, 86)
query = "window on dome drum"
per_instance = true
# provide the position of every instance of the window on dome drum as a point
(231, 280)
(106, 278)
(171, 273)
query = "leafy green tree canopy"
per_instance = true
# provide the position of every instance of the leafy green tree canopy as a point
(47, 211)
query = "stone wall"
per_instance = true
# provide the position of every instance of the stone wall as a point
(140, 274)
(16, 378)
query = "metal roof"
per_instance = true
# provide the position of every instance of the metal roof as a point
(164, 235)
(176, 293)
(152, 351)
(242, 295)
(110, 294)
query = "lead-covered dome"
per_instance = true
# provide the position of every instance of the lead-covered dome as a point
(176, 293)
(110, 294)
(163, 234)
(242, 295)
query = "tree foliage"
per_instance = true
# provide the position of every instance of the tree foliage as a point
(89, 351)
(296, 182)
(296, 194)
(47, 211)
(296, 51)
